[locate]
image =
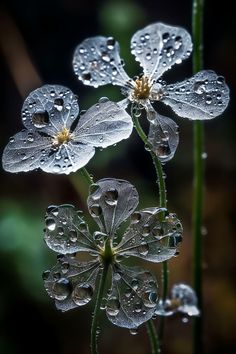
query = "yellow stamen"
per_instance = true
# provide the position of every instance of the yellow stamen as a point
(142, 88)
(63, 137)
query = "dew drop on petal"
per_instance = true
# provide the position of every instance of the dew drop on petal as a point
(111, 196)
(61, 289)
(82, 294)
(133, 331)
(113, 306)
(50, 224)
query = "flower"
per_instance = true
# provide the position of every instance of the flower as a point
(157, 48)
(56, 139)
(183, 299)
(153, 235)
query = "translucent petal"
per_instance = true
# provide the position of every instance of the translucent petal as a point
(158, 47)
(104, 124)
(69, 158)
(204, 96)
(187, 299)
(71, 283)
(97, 62)
(49, 109)
(65, 231)
(133, 297)
(152, 235)
(163, 136)
(112, 201)
(26, 151)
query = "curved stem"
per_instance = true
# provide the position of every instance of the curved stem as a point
(198, 178)
(86, 175)
(153, 337)
(94, 327)
(81, 181)
(162, 204)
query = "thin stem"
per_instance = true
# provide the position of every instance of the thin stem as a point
(81, 181)
(153, 337)
(94, 327)
(86, 175)
(163, 204)
(198, 178)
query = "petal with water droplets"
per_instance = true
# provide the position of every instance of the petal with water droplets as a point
(153, 234)
(204, 96)
(66, 232)
(97, 62)
(163, 136)
(71, 283)
(104, 124)
(112, 201)
(158, 47)
(133, 297)
(49, 109)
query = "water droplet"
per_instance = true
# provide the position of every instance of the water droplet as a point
(95, 210)
(111, 196)
(56, 168)
(134, 284)
(199, 87)
(165, 37)
(106, 57)
(148, 56)
(220, 80)
(208, 100)
(82, 294)
(73, 235)
(204, 155)
(58, 104)
(143, 249)
(113, 306)
(110, 43)
(86, 76)
(46, 274)
(103, 99)
(178, 42)
(146, 230)
(12, 139)
(133, 331)
(135, 217)
(40, 119)
(61, 289)
(50, 224)
(185, 319)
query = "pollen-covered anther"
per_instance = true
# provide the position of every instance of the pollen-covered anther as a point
(63, 137)
(142, 88)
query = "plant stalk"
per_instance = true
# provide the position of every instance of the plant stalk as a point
(198, 178)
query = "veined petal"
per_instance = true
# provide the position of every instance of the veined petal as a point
(66, 232)
(49, 109)
(112, 201)
(163, 136)
(69, 158)
(153, 235)
(204, 96)
(97, 62)
(158, 47)
(26, 151)
(133, 297)
(104, 124)
(71, 283)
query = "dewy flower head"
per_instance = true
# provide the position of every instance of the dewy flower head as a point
(153, 235)
(157, 48)
(56, 139)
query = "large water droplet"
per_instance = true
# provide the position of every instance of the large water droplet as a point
(95, 210)
(82, 294)
(110, 43)
(40, 119)
(143, 249)
(113, 306)
(50, 224)
(199, 87)
(135, 217)
(111, 196)
(58, 104)
(61, 289)
(133, 331)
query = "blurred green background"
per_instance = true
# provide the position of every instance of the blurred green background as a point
(37, 40)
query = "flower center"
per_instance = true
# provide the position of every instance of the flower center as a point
(63, 137)
(107, 253)
(142, 88)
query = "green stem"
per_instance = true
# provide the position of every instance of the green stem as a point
(153, 337)
(81, 181)
(94, 327)
(162, 204)
(86, 175)
(198, 178)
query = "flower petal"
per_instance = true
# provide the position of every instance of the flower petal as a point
(133, 297)
(204, 96)
(187, 299)
(158, 47)
(97, 62)
(71, 283)
(49, 109)
(153, 235)
(163, 136)
(69, 158)
(104, 124)
(66, 232)
(111, 203)
(26, 151)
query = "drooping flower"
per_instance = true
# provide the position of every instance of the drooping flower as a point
(157, 48)
(183, 299)
(153, 235)
(56, 139)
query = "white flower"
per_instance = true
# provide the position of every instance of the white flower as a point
(157, 48)
(56, 139)
(153, 235)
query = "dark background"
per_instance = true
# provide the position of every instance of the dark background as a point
(37, 40)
